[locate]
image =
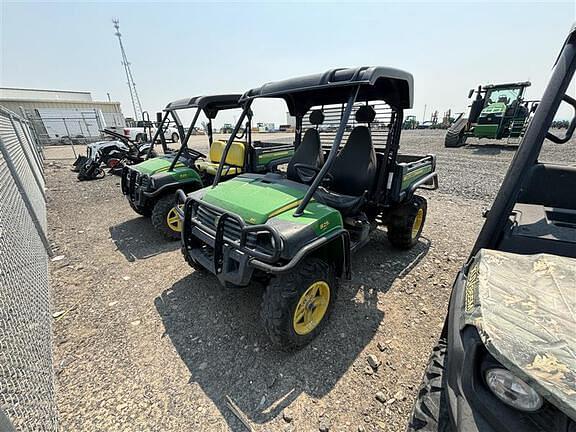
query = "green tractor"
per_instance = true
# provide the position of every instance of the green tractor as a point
(295, 229)
(498, 112)
(150, 186)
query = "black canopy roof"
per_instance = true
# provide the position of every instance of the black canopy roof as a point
(394, 86)
(209, 104)
(507, 85)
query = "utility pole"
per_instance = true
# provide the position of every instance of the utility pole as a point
(424, 116)
(130, 79)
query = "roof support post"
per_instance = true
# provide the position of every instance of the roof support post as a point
(333, 151)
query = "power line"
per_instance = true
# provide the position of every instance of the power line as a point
(136, 105)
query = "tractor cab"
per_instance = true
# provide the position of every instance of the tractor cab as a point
(150, 185)
(499, 111)
(295, 228)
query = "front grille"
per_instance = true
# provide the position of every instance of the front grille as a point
(207, 217)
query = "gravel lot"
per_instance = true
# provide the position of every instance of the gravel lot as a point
(147, 344)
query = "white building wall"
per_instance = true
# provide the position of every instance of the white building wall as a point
(39, 94)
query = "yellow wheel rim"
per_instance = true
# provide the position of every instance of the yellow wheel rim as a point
(311, 308)
(173, 220)
(417, 223)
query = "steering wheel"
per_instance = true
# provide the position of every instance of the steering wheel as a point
(195, 154)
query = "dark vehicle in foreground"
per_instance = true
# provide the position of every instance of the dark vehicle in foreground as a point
(113, 153)
(506, 359)
(150, 185)
(295, 231)
(498, 112)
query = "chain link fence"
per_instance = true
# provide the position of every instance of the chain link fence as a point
(27, 396)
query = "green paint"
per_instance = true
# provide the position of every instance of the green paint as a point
(267, 157)
(415, 175)
(252, 199)
(162, 164)
(322, 218)
(486, 131)
(495, 108)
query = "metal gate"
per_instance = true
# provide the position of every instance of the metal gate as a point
(26, 372)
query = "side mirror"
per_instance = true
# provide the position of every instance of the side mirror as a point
(470, 93)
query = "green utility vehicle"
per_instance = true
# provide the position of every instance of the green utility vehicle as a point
(506, 358)
(498, 112)
(150, 186)
(295, 230)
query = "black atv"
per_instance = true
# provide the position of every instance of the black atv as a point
(506, 358)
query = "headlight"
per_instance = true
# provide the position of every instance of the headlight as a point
(512, 390)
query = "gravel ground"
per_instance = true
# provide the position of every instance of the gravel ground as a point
(147, 344)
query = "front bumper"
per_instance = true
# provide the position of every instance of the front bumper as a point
(471, 405)
(229, 248)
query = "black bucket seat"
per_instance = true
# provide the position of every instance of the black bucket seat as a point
(354, 170)
(309, 153)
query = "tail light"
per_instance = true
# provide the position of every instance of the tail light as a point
(126, 132)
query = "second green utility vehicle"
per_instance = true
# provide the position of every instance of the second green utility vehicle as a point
(498, 112)
(150, 185)
(295, 230)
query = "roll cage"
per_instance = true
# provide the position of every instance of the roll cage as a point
(336, 86)
(209, 105)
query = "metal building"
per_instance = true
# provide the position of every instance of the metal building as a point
(59, 115)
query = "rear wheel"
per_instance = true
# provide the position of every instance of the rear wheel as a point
(430, 412)
(297, 304)
(406, 222)
(175, 137)
(165, 218)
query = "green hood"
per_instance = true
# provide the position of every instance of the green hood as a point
(254, 199)
(495, 108)
(158, 165)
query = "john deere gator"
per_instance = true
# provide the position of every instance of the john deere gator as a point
(295, 229)
(150, 185)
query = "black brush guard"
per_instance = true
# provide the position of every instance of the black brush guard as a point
(233, 258)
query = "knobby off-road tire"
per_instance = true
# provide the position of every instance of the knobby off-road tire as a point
(142, 211)
(283, 295)
(406, 222)
(159, 217)
(192, 262)
(455, 134)
(430, 412)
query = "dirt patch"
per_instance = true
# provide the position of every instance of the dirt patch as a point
(148, 344)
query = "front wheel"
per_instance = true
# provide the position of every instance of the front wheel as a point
(175, 137)
(143, 211)
(297, 304)
(165, 218)
(406, 222)
(430, 412)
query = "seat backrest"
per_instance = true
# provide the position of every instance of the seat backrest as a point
(309, 151)
(354, 169)
(235, 154)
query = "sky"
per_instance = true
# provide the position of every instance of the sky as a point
(188, 48)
